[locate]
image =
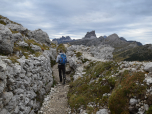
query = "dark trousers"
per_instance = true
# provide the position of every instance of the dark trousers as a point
(61, 72)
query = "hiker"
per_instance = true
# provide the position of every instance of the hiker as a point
(61, 60)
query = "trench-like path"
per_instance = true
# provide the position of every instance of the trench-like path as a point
(57, 102)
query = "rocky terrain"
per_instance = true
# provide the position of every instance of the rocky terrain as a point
(123, 49)
(25, 68)
(103, 86)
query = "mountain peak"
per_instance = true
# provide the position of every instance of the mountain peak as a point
(90, 35)
(63, 39)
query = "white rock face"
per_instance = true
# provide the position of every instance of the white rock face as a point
(103, 52)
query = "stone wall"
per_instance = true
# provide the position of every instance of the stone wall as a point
(23, 84)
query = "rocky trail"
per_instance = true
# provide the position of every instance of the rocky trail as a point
(56, 102)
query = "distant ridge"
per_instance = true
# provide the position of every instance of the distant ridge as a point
(63, 39)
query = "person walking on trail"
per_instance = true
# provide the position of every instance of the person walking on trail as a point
(61, 60)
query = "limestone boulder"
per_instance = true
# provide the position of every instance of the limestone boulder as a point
(148, 67)
(102, 111)
(17, 37)
(72, 62)
(22, 44)
(35, 47)
(132, 101)
(6, 40)
(40, 36)
(16, 27)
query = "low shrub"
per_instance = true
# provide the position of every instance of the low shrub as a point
(53, 62)
(149, 110)
(126, 88)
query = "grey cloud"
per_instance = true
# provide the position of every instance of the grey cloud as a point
(75, 18)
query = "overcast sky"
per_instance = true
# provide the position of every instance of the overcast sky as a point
(131, 19)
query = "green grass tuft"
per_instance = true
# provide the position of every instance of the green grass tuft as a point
(53, 45)
(61, 47)
(78, 54)
(13, 32)
(2, 22)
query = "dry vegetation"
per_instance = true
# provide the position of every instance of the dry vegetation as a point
(101, 79)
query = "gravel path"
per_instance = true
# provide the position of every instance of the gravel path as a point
(56, 102)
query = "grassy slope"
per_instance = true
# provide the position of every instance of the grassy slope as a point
(99, 80)
(141, 53)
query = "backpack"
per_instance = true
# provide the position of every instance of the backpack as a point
(62, 59)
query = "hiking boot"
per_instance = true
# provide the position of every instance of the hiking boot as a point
(63, 81)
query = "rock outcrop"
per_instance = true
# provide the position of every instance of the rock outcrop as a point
(90, 35)
(102, 52)
(40, 36)
(11, 32)
(6, 40)
(25, 74)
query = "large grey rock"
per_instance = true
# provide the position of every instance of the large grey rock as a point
(35, 47)
(48, 86)
(72, 62)
(17, 37)
(40, 36)
(6, 41)
(22, 44)
(148, 67)
(16, 27)
(132, 101)
(102, 111)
